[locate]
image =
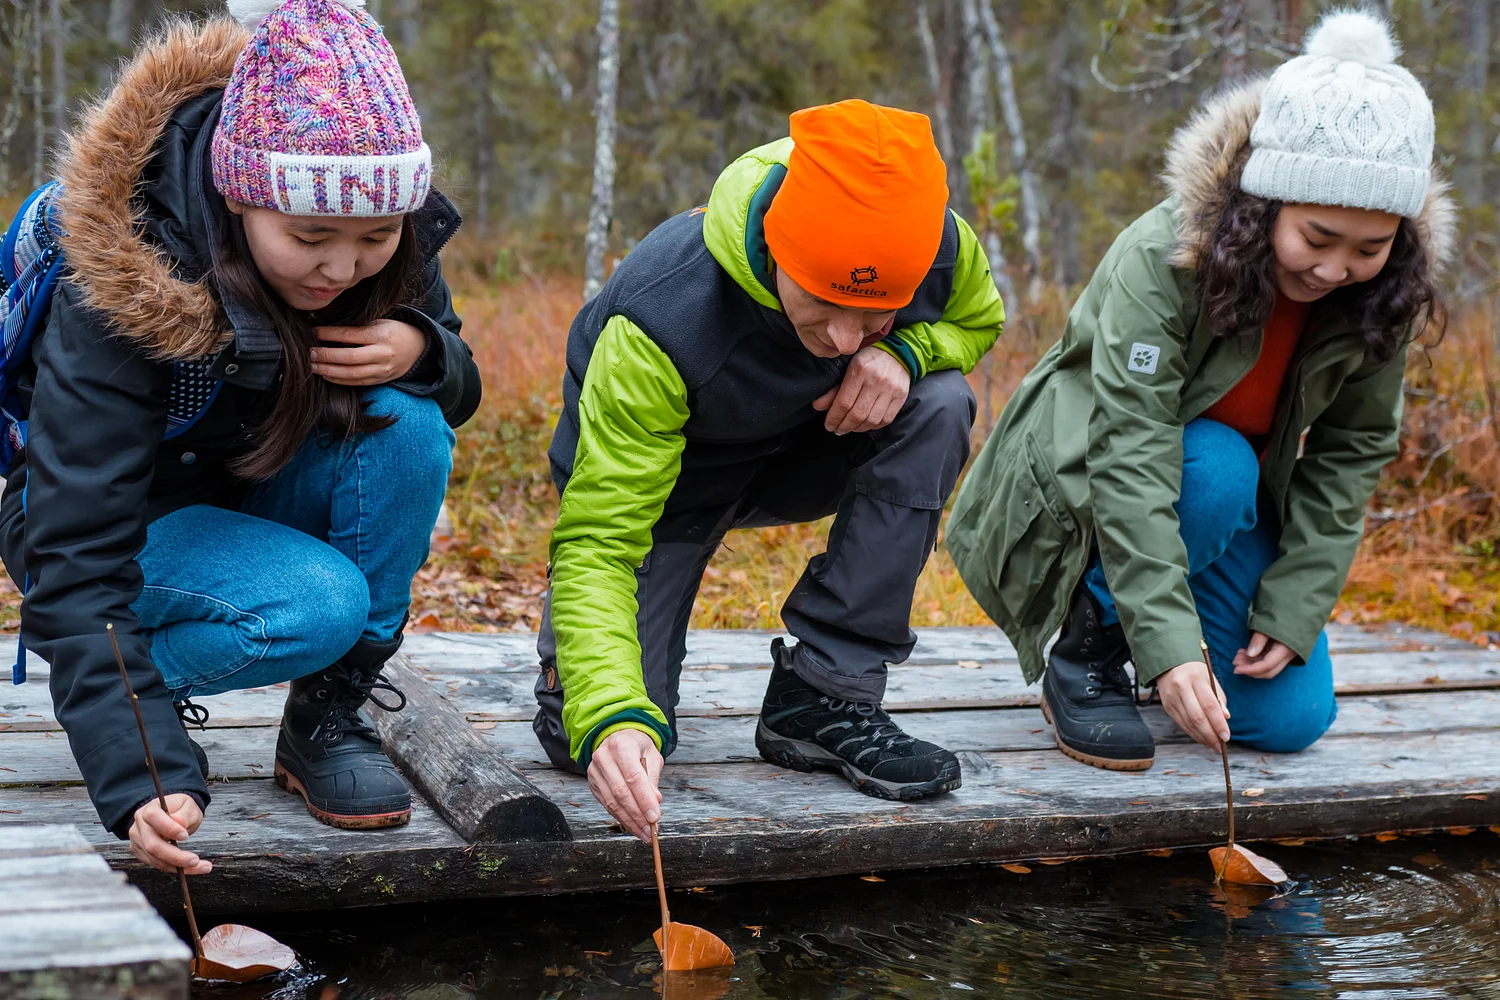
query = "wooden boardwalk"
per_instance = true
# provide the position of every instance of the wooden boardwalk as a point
(1416, 746)
(70, 927)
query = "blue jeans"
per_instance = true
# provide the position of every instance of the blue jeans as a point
(318, 557)
(1229, 549)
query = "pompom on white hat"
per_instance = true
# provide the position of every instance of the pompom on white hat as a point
(1343, 124)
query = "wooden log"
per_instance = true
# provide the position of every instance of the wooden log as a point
(468, 781)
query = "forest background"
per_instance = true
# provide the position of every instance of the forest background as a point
(1053, 118)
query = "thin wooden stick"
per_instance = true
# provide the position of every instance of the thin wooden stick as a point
(661, 890)
(135, 703)
(1224, 754)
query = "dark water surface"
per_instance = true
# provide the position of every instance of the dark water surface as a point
(1412, 918)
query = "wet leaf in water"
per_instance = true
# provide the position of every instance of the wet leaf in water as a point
(1239, 900)
(871, 878)
(239, 954)
(702, 984)
(1245, 867)
(1387, 837)
(1160, 852)
(1428, 860)
(1018, 869)
(691, 948)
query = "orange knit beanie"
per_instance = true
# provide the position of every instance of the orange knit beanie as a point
(858, 220)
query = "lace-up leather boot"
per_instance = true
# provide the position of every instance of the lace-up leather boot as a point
(1089, 698)
(802, 728)
(329, 754)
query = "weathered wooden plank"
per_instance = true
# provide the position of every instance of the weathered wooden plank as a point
(516, 651)
(1404, 662)
(748, 822)
(248, 753)
(71, 927)
(465, 778)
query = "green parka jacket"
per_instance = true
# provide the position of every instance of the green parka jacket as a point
(1090, 446)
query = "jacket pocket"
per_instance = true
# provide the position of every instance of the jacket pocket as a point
(1017, 533)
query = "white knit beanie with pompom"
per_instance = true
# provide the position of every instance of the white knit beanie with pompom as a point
(1343, 124)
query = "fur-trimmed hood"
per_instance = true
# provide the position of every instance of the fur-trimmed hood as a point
(1204, 150)
(117, 270)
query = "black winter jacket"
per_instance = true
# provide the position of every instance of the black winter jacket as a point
(95, 471)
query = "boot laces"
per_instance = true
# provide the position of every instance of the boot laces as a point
(353, 687)
(191, 714)
(874, 724)
(1111, 678)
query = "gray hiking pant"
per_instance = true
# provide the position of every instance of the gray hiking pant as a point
(851, 610)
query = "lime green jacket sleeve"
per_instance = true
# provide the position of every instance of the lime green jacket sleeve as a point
(971, 321)
(631, 413)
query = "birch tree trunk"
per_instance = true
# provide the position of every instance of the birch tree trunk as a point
(120, 24)
(1477, 143)
(38, 122)
(17, 41)
(976, 66)
(943, 131)
(602, 207)
(1236, 40)
(1031, 209)
(59, 73)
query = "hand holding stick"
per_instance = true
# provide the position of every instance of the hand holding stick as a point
(161, 797)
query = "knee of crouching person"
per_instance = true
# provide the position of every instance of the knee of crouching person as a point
(419, 438)
(1296, 729)
(945, 402)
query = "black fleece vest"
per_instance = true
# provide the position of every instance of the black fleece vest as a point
(749, 380)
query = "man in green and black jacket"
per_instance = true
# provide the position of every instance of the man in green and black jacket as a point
(793, 350)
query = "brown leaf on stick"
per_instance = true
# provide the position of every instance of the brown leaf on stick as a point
(691, 948)
(1244, 867)
(239, 954)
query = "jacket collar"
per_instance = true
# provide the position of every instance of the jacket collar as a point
(1203, 152)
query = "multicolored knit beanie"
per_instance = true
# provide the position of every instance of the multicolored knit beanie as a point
(317, 118)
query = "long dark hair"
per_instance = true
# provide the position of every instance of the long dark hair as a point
(1237, 283)
(306, 402)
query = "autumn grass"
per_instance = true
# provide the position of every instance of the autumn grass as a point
(1430, 556)
(1429, 559)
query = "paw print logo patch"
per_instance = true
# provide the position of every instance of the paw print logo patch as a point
(1143, 358)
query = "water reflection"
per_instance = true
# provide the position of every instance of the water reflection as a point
(1409, 919)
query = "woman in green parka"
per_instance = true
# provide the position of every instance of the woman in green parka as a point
(1183, 477)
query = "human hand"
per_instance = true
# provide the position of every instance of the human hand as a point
(1263, 659)
(623, 776)
(383, 352)
(153, 832)
(873, 390)
(1192, 699)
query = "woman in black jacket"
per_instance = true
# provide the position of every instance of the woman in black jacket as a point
(256, 268)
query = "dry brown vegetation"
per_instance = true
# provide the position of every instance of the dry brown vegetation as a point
(1429, 558)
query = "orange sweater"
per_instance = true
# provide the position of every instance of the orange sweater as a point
(1250, 407)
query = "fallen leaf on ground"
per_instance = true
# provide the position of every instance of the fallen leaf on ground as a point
(430, 622)
(1018, 869)
(239, 954)
(1476, 798)
(1161, 852)
(601, 954)
(691, 948)
(1245, 867)
(1253, 793)
(1460, 831)
(483, 726)
(1292, 842)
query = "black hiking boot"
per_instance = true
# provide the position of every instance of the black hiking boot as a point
(1089, 698)
(802, 728)
(196, 715)
(329, 754)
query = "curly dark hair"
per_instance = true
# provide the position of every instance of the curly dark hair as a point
(1237, 283)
